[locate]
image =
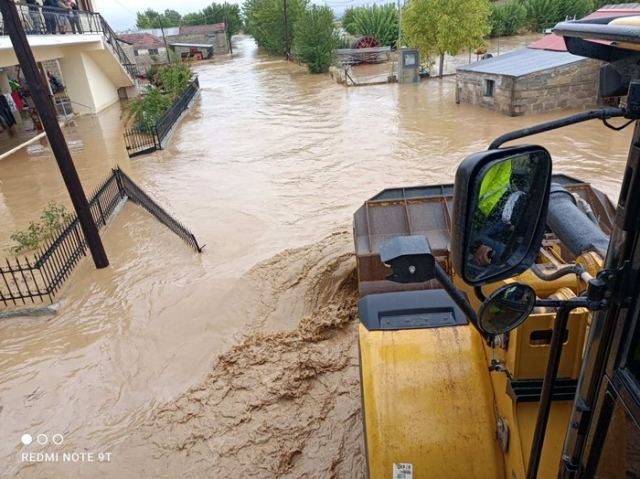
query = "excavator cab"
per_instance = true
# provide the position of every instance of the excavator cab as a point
(499, 332)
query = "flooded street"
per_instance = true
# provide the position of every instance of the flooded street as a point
(241, 361)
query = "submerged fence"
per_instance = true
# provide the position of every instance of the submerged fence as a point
(41, 276)
(139, 141)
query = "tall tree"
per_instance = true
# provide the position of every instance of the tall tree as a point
(315, 38)
(265, 20)
(439, 27)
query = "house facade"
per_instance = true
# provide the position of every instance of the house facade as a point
(147, 48)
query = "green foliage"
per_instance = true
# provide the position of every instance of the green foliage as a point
(149, 108)
(543, 14)
(153, 19)
(264, 19)
(52, 219)
(347, 20)
(315, 38)
(507, 18)
(174, 79)
(380, 22)
(439, 27)
(168, 82)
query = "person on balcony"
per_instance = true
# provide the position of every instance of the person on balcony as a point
(74, 16)
(63, 16)
(50, 12)
(36, 19)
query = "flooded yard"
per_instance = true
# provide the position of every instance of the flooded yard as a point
(241, 361)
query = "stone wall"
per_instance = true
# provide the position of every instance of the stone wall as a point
(471, 88)
(569, 86)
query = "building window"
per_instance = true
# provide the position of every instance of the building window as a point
(135, 53)
(489, 86)
(153, 51)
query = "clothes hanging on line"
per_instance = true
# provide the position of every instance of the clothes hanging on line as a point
(5, 112)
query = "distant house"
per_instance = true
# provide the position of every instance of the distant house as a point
(146, 48)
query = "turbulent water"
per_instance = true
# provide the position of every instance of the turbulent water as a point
(242, 361)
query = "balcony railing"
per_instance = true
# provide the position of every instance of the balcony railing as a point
(41, 20)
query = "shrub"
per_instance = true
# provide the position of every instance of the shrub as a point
(507, 18)
(315, 39)
(52, 219)
(264, 19)
(174, 79)
(148, 108)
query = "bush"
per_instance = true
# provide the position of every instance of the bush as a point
(149, 108)
(52, 219)
(315, 39)
(507, 18)
(174, 79)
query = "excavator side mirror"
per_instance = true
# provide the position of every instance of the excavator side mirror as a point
(499, 212)
(506, 308)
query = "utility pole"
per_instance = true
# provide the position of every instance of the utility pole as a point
(227, 33)
(399, 26)
(59, 147)
(287, 48)
(166, 47)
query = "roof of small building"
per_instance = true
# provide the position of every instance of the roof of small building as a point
(141, 40)
(522, 62)
(201, 29)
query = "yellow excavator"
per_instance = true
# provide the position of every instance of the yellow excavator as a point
(499, 331)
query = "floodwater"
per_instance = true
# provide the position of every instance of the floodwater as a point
(241, 361)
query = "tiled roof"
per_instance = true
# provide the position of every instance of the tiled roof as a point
(202, 29)
(141, 41)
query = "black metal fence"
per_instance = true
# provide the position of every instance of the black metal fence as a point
(40, 277)
(139, 141)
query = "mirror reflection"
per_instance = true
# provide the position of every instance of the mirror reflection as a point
(507, 308)
(506, 205)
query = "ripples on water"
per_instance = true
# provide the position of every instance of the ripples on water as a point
(269, 158)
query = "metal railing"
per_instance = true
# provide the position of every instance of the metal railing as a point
(139, 141)
(41, 276)
(171, 116)
(44, 20)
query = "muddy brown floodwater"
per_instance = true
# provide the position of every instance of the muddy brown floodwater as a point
(242, 361)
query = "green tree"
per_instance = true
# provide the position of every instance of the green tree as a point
(507, 18)
(347, 20)
(439, 27)
(264, 19)
(315, 38)
(380, 22)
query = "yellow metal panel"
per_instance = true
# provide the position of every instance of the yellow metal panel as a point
(428, 401)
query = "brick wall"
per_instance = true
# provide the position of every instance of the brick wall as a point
(569, 86)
